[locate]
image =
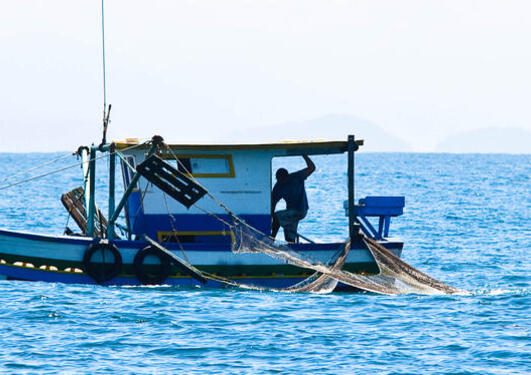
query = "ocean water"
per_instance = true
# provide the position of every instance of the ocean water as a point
(467, 222)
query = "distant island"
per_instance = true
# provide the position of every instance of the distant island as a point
(488, 140)
(334, 127)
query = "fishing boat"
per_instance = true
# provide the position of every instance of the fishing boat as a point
(178, 205)
(201, 215)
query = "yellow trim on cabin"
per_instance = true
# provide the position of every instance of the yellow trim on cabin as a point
(227, 157)
(162, 234)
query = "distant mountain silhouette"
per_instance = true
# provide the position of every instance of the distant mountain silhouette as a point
(488, 140)
(334, 127)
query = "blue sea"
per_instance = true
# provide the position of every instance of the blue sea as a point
(467, 222)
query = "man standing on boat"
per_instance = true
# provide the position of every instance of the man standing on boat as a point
(290, 187)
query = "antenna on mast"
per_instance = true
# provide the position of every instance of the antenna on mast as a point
(106, 109)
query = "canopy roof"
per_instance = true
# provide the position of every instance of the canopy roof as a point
(283, 148)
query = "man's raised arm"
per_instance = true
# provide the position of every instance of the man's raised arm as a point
(310, 166)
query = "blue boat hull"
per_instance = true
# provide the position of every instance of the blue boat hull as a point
(36, 257)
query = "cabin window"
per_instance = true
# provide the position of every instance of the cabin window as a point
(203, 165)
(127, 173)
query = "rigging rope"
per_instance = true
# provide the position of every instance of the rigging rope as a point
(140, 206)
(37, 167)
(208, 193)
(61, 169)
(172, 220)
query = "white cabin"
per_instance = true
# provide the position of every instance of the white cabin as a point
(238, 175)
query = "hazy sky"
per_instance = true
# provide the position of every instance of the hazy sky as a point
(194, 70)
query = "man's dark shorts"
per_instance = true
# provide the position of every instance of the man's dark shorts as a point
(289, 220)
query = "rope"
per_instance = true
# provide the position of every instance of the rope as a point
(172, 219)
(62, 169)
(36, 167)
(124, 159)
(68, 220)
(208, 193)
(142, 196)
(38, 176)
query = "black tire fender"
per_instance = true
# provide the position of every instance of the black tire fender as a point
(95, 270)
(142, 272)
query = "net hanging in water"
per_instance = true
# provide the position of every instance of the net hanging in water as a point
(395, 277)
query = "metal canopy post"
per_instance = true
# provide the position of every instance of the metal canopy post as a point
(91, 202)
(112, 178)
(351, 147)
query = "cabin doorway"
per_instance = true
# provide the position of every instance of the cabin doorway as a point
(326, 189)
(289, 223)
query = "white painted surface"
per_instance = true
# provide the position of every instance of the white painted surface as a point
(47, 248)
(248, 192)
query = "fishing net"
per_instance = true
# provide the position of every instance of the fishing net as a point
(392, 266)
(316, 283)
(395, 277)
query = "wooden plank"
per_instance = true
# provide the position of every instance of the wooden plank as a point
(74, 203)
(171, 181)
